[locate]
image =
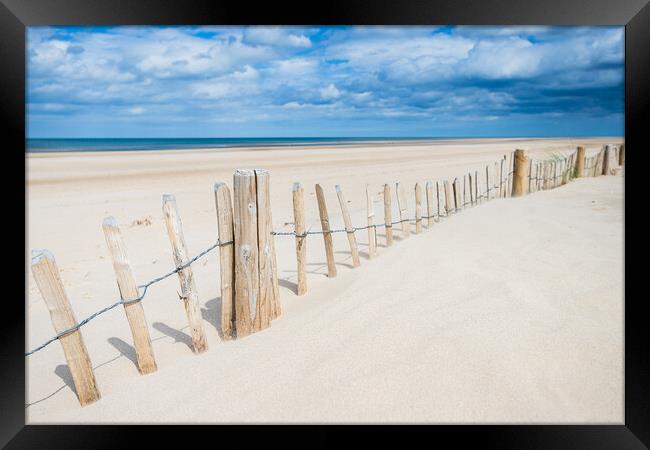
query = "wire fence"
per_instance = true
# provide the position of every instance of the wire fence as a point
(144, 288)
(503, 184)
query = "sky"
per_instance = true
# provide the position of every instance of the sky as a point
(232, 81)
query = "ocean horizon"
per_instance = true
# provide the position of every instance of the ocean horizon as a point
(55, 145)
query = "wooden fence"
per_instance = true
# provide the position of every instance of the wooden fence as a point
(249, 282)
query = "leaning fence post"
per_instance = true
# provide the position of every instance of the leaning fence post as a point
(447, 197)
(487, 182)
(185, 276)
(418, 208)
(325, 227)
(349, 229)
(476, 195)
(606, 156)
(48, 280)
(388, 216)
(403, 210)
(437, 201)
(520, 173)
(301, 239)
(129, 291)
(621, 155)
(429, 192)
(372, 230)
(226, 259)
(456, 188)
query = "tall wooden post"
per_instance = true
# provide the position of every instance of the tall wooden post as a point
(520, 173)
(372, 230)
(388, 216)
(327, 235)
(403, 210)
(418, 208)
(48, 280)
(621, 155)
(430, 214)
(349, 229)
(223, 204)
(185, 276)
(606, 159)
(448, 201)
(129, 291)
(257, 299)
(301, 239)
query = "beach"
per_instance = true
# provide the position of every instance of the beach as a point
(508, 312)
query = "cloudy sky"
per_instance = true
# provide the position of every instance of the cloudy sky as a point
(324, 81)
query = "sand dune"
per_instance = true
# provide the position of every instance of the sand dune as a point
(507, 312)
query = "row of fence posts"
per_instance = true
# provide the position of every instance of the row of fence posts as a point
(249, 282)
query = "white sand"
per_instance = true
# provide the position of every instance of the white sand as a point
(508, 312)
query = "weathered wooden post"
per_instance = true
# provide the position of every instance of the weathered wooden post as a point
(487, 182)
(325, 227)
(372, 230)
(185, 276)
(129, 291)
(448, 201)
(607, 152)
(301, 239)
(476, 194)
(403, 210)
(223, 204)
(418, 208)
(349, 229)
(437, 201)
(48, 280)
(256, 295)
(430, 214)
(388, 216)
(456, 189)
(471, 189)
(621, 155)
(520, 173)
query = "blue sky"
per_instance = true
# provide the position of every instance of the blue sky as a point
(324, 81)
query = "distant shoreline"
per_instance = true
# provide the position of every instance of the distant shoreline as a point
(127, 145)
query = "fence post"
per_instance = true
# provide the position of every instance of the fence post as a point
(471, 189)
(185, 276)
(48, 280)
(621, 155)
(349, 229)
(269, 299)
(437, 201)
(429, 192)
(129, 291)
(476, 194)
(606, 156)
(372, 230)
(388, 216)
(520, 173)
(487, 182)
(456, 189)
(403, 210)
(223, 204)
(325, 227)
(418, 208)
(447, 197)
(301, 239)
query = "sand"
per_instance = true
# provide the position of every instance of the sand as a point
(510, 312)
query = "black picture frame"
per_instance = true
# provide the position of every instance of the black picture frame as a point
(15, 15)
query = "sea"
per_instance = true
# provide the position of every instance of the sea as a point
(122, 144)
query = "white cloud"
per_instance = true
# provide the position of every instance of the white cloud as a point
(330, 92)
(276, 36)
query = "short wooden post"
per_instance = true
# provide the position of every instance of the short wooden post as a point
(530, 172)
(301, 239)
(430, 213)
(476, 194)
(520, 173)
(471, 189)
(388, 216)
(223, 204)
(418, 208)
(48, 280)
(621, 155)
(327, 235)
(502, 189)
(403, 210)
(372, 230)
(185, 276)
(464, 201)
(349, 229)
(487, 182)
(448, 202)
(129, 291)
(607, 151)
